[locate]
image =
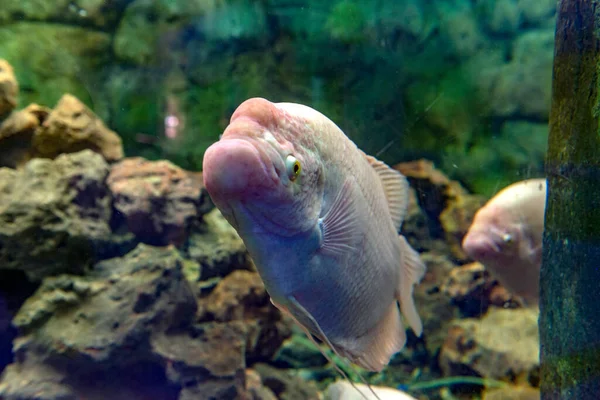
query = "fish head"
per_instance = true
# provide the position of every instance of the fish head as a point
(264, 173)
(494, 237)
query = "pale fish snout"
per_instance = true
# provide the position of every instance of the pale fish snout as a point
(479, 246)
(232, 167)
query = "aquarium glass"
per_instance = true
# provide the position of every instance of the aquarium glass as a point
(125, 271)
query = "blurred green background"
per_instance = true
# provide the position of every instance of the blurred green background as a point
(463, 83)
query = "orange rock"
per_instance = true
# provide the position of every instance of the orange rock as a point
(16, 134)
(9, 88)
(157, 200)
(447, 204)
(473, 290)
(71, 127)
(512, 393)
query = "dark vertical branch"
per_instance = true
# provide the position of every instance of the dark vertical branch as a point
(570, 276)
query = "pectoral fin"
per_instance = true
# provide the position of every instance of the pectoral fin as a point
(340, 226)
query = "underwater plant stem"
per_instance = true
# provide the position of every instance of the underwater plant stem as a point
(569, 321)
(454, 380)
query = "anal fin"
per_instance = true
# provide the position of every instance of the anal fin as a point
(305, 315)
(373, 350)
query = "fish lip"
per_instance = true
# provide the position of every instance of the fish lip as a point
(480, 246)
(247, 129)
(235, 168)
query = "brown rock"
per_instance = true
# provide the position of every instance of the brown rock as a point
(235, 295)
(423, 170)
(247, 385)
(448, 206)
(512, 393)
(71, 127)
(473, 290)
(158, 200)
(434, 305)
(285, 385)
(213, 389)
(241, 296)
(54, 214)
(415, 226)
(434, 189)
(255, 387)
(504, 344)
(456, 220)
(16, 134)
(218, 349)
(100, 328)
(9, 88)
(216, 247)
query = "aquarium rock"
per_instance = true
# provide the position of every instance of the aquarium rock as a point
(9, 88)
(105, 321)
(416, 225)
(448, 206)
(241, 296)
(71, 127)
(140, 324)
(512, 392)
(37, 131)
(434, 189)
(157, 200)
(504, 344)
(456, 220)
(51, 212)
(247, 385)
(284, 386)
(16, 134)
(435, 306)
(216, 247)
(473, 290)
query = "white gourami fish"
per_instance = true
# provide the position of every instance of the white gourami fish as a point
(506, 237)
(320, 220)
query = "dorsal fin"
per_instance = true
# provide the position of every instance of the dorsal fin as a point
(396, 189)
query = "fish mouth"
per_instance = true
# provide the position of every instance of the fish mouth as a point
(237, 168)
(480, 247)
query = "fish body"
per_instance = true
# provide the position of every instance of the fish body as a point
(343, 390)
(506, 237)
(320, 220)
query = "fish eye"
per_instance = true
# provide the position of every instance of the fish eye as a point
(507, 238)
(293, 167)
